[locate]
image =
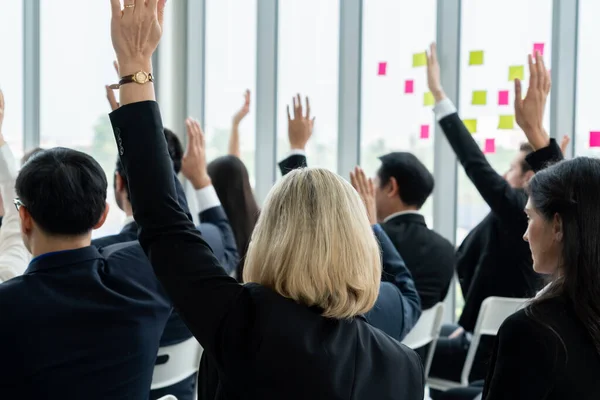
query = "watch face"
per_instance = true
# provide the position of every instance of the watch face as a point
(141, 77)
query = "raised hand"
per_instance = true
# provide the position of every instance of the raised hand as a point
(193, 164)
(529, 111)
(110, 93)
(434, 80)
(241, 114)
(564, 143)
(366, 190)
(300, 128)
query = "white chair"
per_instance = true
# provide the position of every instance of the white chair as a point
(493, 312)
(183, 361)
(168, 397)
(426, 331)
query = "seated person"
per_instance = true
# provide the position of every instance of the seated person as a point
(79, 323)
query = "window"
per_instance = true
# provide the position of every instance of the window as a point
(308, 64)
(11, 73)
(393, 87)
(586, 140)
(230, 70)
(75, 115)
(495, 40)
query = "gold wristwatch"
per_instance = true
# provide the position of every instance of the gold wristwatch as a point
(139, 77)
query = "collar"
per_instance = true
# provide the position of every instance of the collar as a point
(128, 220)
(62, 258)
(400, 213)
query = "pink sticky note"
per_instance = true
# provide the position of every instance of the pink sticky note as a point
(409, 86)
(594, 139)
(490, 146)
(424, 131)
(503, 97)
(538, 47)
(382, 68)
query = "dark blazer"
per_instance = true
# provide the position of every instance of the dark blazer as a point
(264, 345)
(547, 356)
(500, 263)
(81, 324)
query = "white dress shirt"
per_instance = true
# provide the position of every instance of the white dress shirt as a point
(14, 256)
(207, 198)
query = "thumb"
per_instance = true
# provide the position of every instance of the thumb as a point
(518, 96)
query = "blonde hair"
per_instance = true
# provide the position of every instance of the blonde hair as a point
(313, 243)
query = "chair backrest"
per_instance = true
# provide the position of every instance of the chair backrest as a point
(426, 331)
(183, 360)
(493, 312)
(168, 397)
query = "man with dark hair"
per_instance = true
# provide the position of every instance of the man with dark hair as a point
(80, 322)
(403, 184)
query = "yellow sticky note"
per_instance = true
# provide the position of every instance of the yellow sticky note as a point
(471, 125)
(506, 122)
(476, 57)
(428, 99)
(420, 59)
(516, 72)
(479, 98)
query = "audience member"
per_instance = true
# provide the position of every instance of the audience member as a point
(551, 349)
(497, 262)
(295, 331)
(79, 323)
(234, 139)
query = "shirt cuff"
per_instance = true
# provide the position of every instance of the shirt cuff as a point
(207, 198)
(443, 109)
(8, 165)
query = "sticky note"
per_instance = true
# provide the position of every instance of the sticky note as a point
(503, 97)
(424, 131)
(506, 122)
(516, 72)
(594, 139)
(382, 68)
(489, 146)
(428, 99)
(476, 57)
(471, 125)
(479, 98)
(409, 86)
(538, 47)
(420, 59)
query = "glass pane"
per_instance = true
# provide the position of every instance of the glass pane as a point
(586, 140)
(230, 70)
(506, 38)
(11, 72)
(308, 64)
(393, 90)
(74, 110)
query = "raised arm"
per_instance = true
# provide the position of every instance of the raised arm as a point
(200, 289)
(234, 139)
(300, 129)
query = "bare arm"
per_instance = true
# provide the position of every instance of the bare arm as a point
(234, 139)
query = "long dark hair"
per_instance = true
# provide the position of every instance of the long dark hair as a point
(232, 184)
(571, 190)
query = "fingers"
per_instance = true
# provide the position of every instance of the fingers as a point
(432, 53)
(115, 6)
(116, 66)
(1, 101)
(160, 11)
(298, 107)
(112, 100)
(307, 108)
(128, 7)
(541, 70)
(247, 97)
(353, 180)
(371, 186)
(518, 96)
(533, 76)
(152, 5)
(288, 113)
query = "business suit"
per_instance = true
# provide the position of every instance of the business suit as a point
(503, 265)
(264, 345)
(547, 356)
(81, 324)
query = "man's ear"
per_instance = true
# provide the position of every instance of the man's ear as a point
(392, 188)
(26, 220)
(119, 184)
(102, 219)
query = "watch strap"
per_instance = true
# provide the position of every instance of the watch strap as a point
(133, 78)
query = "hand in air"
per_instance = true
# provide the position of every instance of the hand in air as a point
(110, 93)
(564, 143)
(434, 80)
(193, 164)
(366, 190)
(241, 114)
(300, 128)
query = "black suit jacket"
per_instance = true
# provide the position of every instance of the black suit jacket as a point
(428, 255)
(81, 324)
(547, 356)
(494, 260)
(264, 345)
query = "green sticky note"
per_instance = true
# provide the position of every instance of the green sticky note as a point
(479, 98)
(476, 57)
(516, 72)
(420, 59)
(506, 122)
(428, 99)
(471, 125)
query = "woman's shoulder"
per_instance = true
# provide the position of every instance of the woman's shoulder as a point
(542, 319)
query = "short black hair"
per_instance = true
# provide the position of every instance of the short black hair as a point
(415, 182)
(64, 190)
(527, 149)
(175, 152)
